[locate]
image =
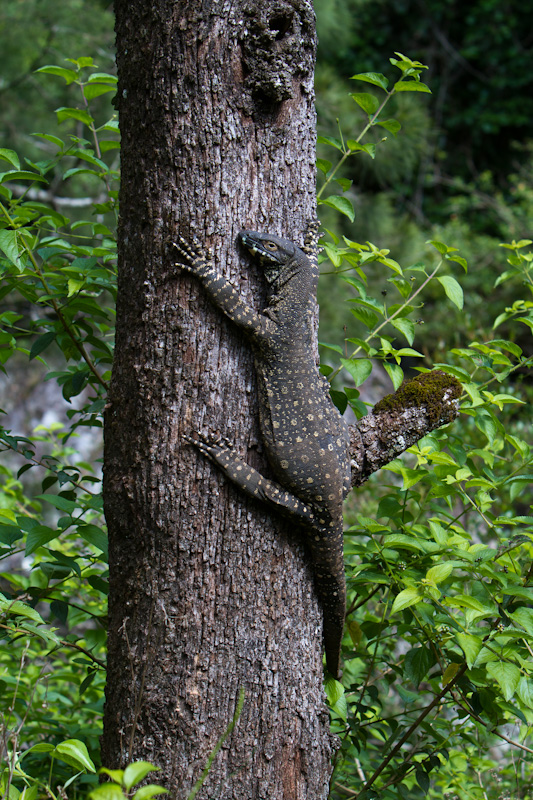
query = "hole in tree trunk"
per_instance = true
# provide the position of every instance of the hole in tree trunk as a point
(281, 25)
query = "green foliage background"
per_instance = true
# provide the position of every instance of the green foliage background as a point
(437, 695)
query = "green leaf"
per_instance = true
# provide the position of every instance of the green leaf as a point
(20, 609)
(453, 289)
(9, 534)
(503, 344)
(366, 316)
(49, 138)
(136, 772)
(90, 91)
(440, 246)
(331, 141)
(341, 204)
(411, 477)
(102, 77)
(75, 753)
(524, 617)
(409, 597)
(10, 156)
(450, 672)
(94, 535)
(340, 400)
(417, 663)
(525, 691)
(334, 690)
(87, 61)
(359, 368)
(42, 343)
(21, 175)
(376, 78)
(147, 792)
(406, 327)
(337, 348)
(344, 183)
(506, 675)
(68, 74)
(110, 125)
(74, 113)
(99, 584)
(323, 165)
(107, 791)
(422, 778)
(470, 645)
(477, 609)
(439, 573)
(115, 774)
(404, 542)
(54, 571)
(390, 125)
(369, 149)
(411, 86)
(39, 536)
(10, 248)
(367, 102)
(58, 502)
(459, 260)
(395, 373)
(41, 747)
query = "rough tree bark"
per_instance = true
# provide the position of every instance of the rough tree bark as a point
(209, 592)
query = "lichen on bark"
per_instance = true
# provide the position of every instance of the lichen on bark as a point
(432, 391)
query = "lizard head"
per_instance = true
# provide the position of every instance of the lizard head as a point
(272, 251)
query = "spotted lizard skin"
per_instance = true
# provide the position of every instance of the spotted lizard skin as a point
(305, 438)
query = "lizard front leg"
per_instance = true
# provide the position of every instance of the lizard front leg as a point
(250, 480)
(200, 263)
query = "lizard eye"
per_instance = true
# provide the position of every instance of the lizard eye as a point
(271, 246)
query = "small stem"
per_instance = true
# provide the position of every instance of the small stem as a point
(392, 316)
(95, 136)
(467, 707)
(350, 152)
(482, 386)
(436, 700)
(75, 341)
(85, 652)
(44, 465)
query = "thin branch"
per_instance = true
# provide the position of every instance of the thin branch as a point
(436, 700)
(44, 196)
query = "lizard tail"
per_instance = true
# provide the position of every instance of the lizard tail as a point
(331, 590)
(333, 629)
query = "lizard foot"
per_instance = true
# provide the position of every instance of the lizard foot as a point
(210, 445)
(197, 258)
(311, 247)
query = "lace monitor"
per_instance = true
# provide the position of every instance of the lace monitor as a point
(305, 438)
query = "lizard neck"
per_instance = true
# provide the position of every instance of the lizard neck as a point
(293, 294)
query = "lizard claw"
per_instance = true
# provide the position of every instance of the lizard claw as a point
(198, 259)
(209, 444)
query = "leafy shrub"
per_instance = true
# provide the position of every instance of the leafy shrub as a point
(58, 287)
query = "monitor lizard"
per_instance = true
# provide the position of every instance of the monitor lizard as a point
(305, 437)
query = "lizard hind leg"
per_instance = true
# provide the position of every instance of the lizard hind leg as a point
(249, 480)
(329, 576)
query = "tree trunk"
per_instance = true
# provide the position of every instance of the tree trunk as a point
(209, 592)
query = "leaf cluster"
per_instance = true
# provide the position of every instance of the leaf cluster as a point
(372, 106)
(58, 288)
(438, 653)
